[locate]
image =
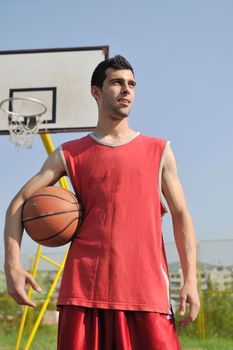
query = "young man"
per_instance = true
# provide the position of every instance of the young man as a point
(114, 292)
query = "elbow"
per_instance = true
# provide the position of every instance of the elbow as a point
(180, 214)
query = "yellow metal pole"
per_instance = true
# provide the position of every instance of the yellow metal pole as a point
(48, 144)
(47, 141)
(50, 260)
(43, 309)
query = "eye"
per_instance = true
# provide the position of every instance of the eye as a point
(132, 84)
(116, 82)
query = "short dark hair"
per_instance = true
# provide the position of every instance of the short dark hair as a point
(117, 62)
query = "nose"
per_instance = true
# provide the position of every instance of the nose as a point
(125, 89)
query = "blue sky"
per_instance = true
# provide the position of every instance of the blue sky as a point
(182, 54)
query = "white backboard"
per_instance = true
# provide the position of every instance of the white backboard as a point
(60, 78)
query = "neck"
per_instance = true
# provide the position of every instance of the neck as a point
(116, 129)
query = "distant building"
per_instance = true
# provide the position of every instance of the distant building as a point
(220, 277)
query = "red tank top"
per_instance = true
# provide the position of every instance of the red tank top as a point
(117, 260)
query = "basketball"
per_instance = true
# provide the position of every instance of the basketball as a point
(52, 216)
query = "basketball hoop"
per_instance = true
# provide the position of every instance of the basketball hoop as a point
(25, 116)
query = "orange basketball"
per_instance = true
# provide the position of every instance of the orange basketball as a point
(52, 216)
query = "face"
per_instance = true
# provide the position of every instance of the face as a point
(117, 93)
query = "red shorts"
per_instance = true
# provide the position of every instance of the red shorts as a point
(83, 328)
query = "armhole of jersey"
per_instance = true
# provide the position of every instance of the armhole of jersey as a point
(162, 200)
(167, 283)
(64, 161)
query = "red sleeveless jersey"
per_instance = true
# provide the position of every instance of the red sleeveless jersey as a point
(117, 259)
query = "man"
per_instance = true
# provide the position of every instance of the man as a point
(114, 292)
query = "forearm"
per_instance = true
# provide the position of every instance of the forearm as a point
(186, 244)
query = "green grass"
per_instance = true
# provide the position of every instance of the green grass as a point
(189, 343)
(46, 339)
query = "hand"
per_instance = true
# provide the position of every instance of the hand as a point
(16, 279)
(189, 295)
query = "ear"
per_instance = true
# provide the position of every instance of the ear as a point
(95, 91)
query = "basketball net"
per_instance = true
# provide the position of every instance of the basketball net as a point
(25, 117)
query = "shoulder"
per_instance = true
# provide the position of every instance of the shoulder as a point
(76, 142)
(169, 165)
(76, 146)
(157, 142)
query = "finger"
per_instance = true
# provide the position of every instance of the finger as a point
(182, 306)
(192, 315)
(33, 283)
(21, 298)
(193, 311)
(183, 323)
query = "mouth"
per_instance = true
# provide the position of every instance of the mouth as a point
(124, 101)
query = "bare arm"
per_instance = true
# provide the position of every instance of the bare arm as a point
(184, 236)
(16, 277)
